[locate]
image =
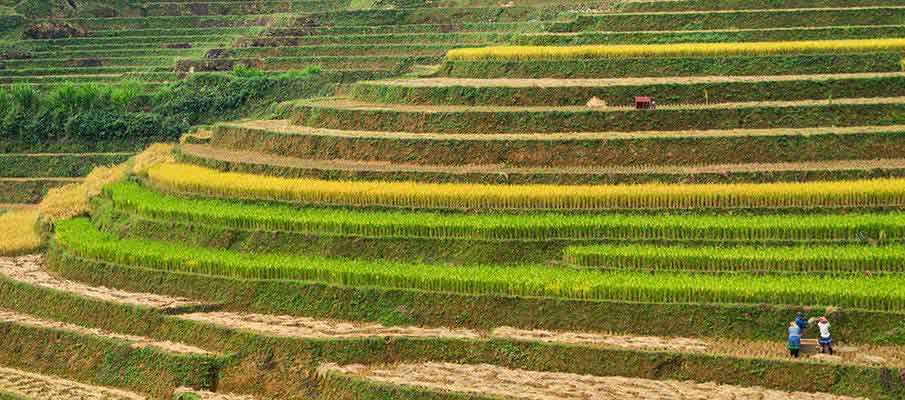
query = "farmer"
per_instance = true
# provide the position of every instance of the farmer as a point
(794, 339)
(825, 340)
(800, 321)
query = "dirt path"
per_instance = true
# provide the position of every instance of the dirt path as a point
(495, 381)
(868, 355)
(260, 158)
(343, 103)
(28, 269)
(285, 127)
(553, 83)
(310, 328)
(652, 343)
(136, 341)
(205, 395)
(37, 386)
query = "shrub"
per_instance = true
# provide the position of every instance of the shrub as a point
(244, 71)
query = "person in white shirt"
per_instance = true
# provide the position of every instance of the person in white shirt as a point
(825, 340)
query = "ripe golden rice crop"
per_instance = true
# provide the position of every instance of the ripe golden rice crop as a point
(831, 194)
(676, 50)
(17, 228)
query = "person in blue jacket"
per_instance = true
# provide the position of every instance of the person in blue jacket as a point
(794, 339)
(800, 321)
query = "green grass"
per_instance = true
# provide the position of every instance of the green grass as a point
(694, 5)
(10, 396)
(830, 259)
(883, 293)
(687, 148)
(55, 165)
(668, 91)
(352, 115)
(753, 19)
(133, 198)
(712, 36)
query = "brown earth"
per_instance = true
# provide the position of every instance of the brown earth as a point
(507, 383)
(302, 327)
(28, 269)
(869, 355)
(136, 341)
(37, 386)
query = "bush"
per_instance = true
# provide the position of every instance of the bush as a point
(244, 71)
(126, 116)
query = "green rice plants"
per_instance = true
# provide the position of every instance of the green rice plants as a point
(78, 237)
(145, 203)
(799, 259)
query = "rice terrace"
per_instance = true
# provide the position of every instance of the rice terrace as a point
(452, 199)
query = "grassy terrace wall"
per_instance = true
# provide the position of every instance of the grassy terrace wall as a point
(755, 19)
(539, 151)
(708, 36)
(697, 66)
(354, 116)
(136, 212)
(285, 366)
(693, 5)
(514, 175)
(398, 306)
(66, 165)
(623, 93)
(27, 190)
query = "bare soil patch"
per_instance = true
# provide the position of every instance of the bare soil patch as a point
(653, 343)
(507, 383)
(38, 386)
(28, 269)
(136, 341)
(301, 327)
(868, 355)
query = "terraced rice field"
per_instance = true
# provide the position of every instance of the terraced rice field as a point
(493, 211)
(488, 381)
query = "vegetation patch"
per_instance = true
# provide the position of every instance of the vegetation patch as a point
(19, 232)
(676, 50)
(685, 148)
(879, 193)
(676, 66)
(876, 293)
(353, 115)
